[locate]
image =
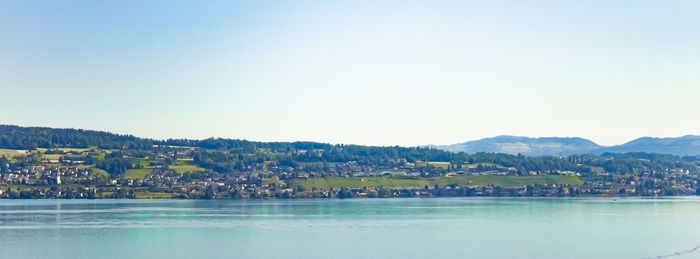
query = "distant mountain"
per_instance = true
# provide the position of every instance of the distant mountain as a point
(552, 146)
(685, 146)
(526, 146)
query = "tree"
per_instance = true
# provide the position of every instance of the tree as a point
(115, 166)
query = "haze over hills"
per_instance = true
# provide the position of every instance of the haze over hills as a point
(525, 146)
(685, 145)
(552, 146)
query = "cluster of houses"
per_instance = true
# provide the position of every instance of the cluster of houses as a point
(74, 181)
(40, 175)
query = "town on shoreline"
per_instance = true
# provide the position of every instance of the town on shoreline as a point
(78, 164)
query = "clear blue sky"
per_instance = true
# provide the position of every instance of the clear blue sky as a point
(362, 72)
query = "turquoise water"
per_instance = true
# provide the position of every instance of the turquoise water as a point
(363, 228)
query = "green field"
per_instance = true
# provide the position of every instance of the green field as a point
(359, 182)
(98, 172)
(17, 187)
(73, 150)
(153, 195)
(443, 165)
(185, 166)
(140, 173)
(145, 163)
(66, 150)
(273, 180)
(182, 166)
(51, 156)
(12, 153)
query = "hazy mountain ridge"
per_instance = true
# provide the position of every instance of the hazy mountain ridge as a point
(555, 146)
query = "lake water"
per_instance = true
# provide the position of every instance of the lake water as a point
(362, 228)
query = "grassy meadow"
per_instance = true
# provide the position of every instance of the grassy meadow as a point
(139, 173)
(386, 182)
(443, 165)
(184, 166)
(153, 195)
(11, 154)
(273, 180)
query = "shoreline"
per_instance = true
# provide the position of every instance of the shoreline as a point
(365, 198)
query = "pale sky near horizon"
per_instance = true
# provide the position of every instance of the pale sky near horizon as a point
(356, 72)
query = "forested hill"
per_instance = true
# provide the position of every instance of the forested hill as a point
(28, 138)
(16, 137)
(123, 165)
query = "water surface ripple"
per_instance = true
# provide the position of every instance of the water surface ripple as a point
(363, 228)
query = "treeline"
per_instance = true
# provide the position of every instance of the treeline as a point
(235, 160)
(637, 162)
(231, 155)
(231, 161)
(16, 137)
(116, 166)
(118, 162)
(246, 146)
(244, 154)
